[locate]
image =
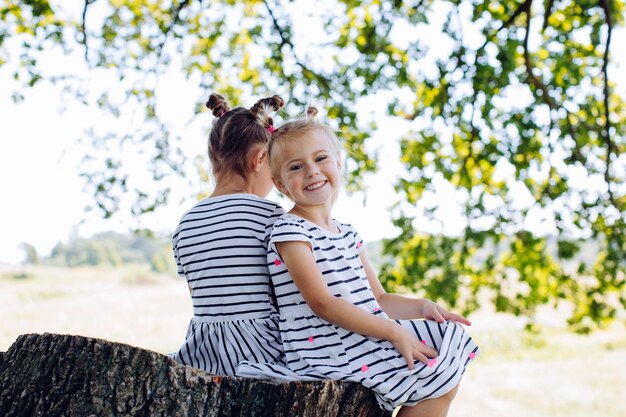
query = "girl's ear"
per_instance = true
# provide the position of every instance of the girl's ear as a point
(280, 186)
(258, 157)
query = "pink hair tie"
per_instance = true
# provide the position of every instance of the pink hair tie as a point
(220, 114)
(271, 129)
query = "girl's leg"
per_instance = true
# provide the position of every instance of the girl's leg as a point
(444, 412)
(437, 407)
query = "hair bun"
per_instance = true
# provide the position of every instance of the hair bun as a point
(217, 104)
(263, 108)
(277, 102)
(273, 103)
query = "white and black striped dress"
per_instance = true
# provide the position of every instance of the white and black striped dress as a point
(317, 349)
(220, 247)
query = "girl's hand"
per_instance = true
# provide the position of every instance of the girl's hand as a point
(411, 348)
(434, 311)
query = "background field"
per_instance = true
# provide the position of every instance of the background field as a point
(551, 374)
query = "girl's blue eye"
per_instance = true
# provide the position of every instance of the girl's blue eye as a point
(294, 167)
(320, 158)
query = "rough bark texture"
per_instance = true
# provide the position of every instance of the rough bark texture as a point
(59, 375)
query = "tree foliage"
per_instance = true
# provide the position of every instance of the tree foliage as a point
(510, 102)
(30, 252)
(114, 249)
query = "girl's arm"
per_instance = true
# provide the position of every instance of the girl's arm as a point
(302, 267)
(406, 308)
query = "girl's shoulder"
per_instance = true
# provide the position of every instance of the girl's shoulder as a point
(249, 201)
(289, 221)
(290, 228)
(246, 205)
(344, 226)
(293, 222)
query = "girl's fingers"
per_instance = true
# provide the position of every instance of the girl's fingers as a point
(427, 351)
(409, 361)
(438, 317)
(416, 351)
(460, 319)
(421, 357)
(424, 353)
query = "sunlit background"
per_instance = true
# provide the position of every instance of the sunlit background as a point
(553, 373)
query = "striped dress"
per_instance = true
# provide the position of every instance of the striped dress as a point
(317, 349)
(220, 248)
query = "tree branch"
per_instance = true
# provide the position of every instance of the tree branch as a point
(525, 8)
(607, 125)
(539, 85)
(547, 14)
(536, 82)
(175, 13)
(83, 28)
(418, 5)
(285, 41)
(521, 9)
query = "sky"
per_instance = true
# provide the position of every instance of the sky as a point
(43, 201)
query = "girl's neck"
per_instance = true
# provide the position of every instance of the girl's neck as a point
(320, 215)
(233, 184)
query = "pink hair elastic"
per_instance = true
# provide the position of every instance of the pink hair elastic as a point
(271, 129)
(220, 114)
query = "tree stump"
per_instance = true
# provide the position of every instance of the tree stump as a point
(73, 376)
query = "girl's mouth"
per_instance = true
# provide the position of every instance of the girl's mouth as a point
(315, 185)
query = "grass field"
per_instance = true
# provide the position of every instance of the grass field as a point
(552, 374)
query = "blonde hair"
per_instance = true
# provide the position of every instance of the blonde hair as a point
(294, 129)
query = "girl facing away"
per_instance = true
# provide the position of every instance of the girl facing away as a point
(220, 246)
(336, 320)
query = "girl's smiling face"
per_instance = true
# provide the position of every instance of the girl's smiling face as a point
(310, 169)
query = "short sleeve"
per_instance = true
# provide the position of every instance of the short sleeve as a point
(357, 241)
(286, 229)
(271, 220)
(179, 267)
(360, 244)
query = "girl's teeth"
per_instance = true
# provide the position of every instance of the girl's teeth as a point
(315, 186)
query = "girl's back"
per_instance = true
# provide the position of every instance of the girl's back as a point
(220, 248)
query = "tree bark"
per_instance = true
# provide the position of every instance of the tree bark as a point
(60, 375)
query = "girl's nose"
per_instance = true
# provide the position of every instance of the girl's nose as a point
(312, 171)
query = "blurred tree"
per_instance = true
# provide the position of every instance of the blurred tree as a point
(509, 102)
(115, 249)
(30, 252)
